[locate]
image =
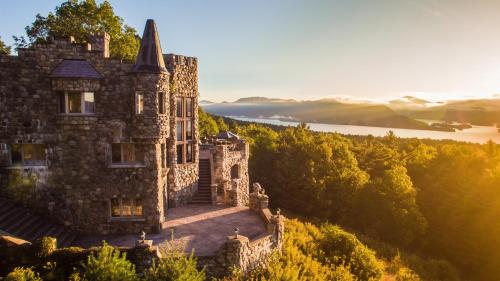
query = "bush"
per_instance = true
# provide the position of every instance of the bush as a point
(344, 249)
(44, 246)
(108, 265)
(175, 267)
(23, 274)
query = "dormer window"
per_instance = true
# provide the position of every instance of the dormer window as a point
(76, 103)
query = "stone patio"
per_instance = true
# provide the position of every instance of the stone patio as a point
(203, 228)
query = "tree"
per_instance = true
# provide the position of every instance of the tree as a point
(206, 124)
(4, 49)
(81, 20)
(176, 266)
(388, 208)
(107, 265)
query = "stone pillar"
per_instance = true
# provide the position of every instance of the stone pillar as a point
(213, 192)
(235, 247)
(278, 222)
(143, 255)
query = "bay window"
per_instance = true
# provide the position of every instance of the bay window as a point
(184, 130)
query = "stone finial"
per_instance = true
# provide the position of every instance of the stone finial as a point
(142, 236)
(236, 232)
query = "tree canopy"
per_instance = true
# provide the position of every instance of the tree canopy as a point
(81, 19)
(4, 49)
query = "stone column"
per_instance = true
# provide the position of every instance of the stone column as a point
(213, 192)
(235, 248)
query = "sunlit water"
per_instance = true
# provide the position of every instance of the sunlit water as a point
(477, 134)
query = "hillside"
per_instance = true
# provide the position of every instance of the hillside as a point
(327, 111)
(484, 112)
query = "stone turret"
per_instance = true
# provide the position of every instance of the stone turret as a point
(150, 57)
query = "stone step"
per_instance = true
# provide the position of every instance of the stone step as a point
(25, 224)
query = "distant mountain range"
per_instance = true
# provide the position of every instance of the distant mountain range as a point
(398, 113)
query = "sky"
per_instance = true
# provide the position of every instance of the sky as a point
(354, 49)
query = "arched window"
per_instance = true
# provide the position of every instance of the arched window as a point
(235, 171)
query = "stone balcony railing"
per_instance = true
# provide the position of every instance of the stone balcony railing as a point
(241, 252)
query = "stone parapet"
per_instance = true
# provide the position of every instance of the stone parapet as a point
(242, 253)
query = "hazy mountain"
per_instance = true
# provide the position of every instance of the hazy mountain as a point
(203, 102)
(476, 111)
(328, 111)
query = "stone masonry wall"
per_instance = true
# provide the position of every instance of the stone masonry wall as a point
(183, 178)
(239, 252)
(78, 181)
(224, 158)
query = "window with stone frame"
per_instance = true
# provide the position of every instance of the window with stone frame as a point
(161, 103)
(139, 103)
(126, 208)
(127, 153)
(76, 103)
(27, 154)
(184, 130)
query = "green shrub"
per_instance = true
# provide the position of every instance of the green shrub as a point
(23, 274)
(108, 265)
(344, 249)
(175, 266)
(44, 246)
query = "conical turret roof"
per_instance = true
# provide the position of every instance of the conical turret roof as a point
(150, 57)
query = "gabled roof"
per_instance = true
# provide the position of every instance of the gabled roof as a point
(150, 56)
(227, 135)
(75, 68)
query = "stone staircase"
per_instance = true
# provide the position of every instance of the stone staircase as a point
(23, 223)
(203, 196)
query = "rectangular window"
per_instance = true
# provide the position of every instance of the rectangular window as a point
(180, 130)
(161, 102)
(180, 153)
(180, 107)
(126, 153)
(189, 107)
(76, 103)
(27, 154)
(62, 102)
(189, 129)
(139, 103)
(185, 130)
(88, 103)
(124, 207)
(189, 152)
(163, 155)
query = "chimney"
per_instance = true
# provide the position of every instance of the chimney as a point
(150, 57)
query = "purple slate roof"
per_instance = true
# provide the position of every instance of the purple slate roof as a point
(75, 68)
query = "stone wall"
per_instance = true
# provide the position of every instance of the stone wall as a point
(224, 157)
(183, 178)
(78, 181)
(241, 252)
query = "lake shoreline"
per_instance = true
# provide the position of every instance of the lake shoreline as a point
(475, 134)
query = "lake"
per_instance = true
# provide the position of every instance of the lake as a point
(477, 134)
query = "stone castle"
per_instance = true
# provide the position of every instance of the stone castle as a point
(103, 146)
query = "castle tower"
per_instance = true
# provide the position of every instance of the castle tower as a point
(151, 119)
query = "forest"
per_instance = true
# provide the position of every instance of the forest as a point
(432, 204)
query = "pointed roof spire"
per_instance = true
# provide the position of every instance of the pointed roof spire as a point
(150, 57)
